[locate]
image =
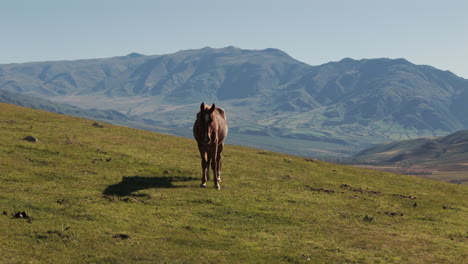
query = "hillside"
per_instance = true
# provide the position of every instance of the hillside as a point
(46, 105)
(431, 157)
(121, 195)
(294, 146)
(267, 94)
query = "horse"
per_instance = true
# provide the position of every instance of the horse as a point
(210, 130)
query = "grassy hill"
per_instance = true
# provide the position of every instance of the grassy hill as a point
(120, 195)
(41, 104)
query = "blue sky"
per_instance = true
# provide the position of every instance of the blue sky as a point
(315, 32)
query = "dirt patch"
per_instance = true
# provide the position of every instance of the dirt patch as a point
(132, 199)
(101, 159)
(101, 151)
(368, 191)
(404, 196)
(121, 236)
(392, 214)
(314, 189)
(359, 190)
(110, 198)
(445, 207)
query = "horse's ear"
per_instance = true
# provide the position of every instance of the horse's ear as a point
(213, 107)
(202, 106)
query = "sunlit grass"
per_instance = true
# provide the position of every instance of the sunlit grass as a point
(119, 195)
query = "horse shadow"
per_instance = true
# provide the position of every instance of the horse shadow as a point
(131, 184)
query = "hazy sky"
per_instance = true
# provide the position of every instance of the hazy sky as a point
(315, 32)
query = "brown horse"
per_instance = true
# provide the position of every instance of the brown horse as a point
(210, 130)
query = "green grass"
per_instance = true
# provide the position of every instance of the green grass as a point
(144, 204)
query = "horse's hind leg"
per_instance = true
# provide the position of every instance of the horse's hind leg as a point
(219, 161)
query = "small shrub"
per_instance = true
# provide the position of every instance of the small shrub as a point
(368, 218)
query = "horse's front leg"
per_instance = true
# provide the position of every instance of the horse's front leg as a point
(205, 168)
(214, 166)
(208, 161)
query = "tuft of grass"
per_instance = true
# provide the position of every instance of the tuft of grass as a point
(121, 195)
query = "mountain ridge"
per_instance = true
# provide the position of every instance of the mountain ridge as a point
(266, 92)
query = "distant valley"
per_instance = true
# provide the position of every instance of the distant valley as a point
(440, 158)
(272, 100)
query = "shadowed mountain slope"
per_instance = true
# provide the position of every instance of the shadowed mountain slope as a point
(447, 156)
(451, 148)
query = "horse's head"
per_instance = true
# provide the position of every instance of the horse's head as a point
(205, 120)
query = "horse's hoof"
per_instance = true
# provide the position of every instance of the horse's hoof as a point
(203, 185)
(217, 187)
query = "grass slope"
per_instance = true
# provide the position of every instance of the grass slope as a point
(120, 195)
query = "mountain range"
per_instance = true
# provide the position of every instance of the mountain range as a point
(349, 104)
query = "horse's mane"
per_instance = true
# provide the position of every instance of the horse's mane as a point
(221, 112)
